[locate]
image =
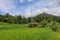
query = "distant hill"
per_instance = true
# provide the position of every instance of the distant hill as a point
(47, 17)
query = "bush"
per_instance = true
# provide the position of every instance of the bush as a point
(54, 28)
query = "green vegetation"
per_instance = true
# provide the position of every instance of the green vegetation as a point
(40, 27)
(21, 32)
(27, 34)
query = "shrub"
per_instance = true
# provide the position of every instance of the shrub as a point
(54, 28)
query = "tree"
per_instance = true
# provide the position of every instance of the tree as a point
(8, 18)
(19, 19)
(1, 17)
(24, 20)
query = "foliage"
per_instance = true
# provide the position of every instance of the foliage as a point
(21, 19)
(13, 27)
(43, 20)
(27, 34)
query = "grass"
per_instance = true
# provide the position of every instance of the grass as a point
(27, 34)
(4, 26)
(57, 34)
(20, 32)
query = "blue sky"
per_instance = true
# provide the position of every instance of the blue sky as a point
(30, 7)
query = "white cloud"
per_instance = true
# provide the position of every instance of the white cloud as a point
(6, 5)
(21, 1)
(57, 0)
(29, 0)
(53, 9)
(33, 9)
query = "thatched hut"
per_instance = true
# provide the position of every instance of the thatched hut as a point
(32, 24)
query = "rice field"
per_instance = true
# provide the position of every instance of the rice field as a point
(20, 32)
(27, 34)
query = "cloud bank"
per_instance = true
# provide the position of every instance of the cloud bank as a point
(30, 7)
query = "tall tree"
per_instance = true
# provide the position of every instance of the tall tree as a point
(19, 18)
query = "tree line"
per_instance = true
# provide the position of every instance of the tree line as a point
(13, 19)
(22, 20)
